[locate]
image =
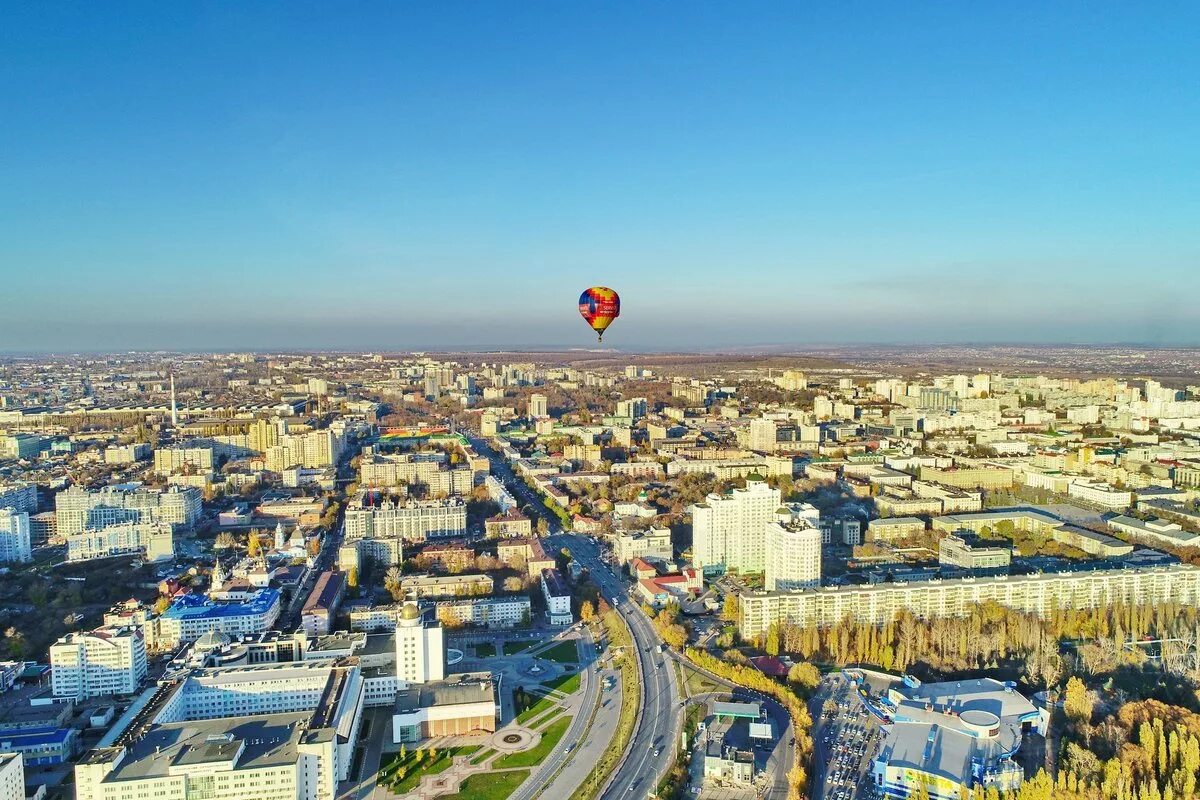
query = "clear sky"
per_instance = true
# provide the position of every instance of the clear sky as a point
(423, 175)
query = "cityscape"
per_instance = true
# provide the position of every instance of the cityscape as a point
(599, 401)
(391, 576)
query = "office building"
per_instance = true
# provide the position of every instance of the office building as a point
(969, 553)
(271, 732)
(528, 554)
(460, 704)
(99, 663)
(793, 555)
(321, 607)
(15, 542)
(194, 615)
(654, 543)
(729, 530)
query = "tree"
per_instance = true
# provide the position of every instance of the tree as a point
(1078, 701)
(254, 545)
(391, 582)
(804, 676)
(513, 584)
(730, 609)
(352, 577)
(162, 604)
(224, 541)
(15, 642)
(543, 527)
(587, 611)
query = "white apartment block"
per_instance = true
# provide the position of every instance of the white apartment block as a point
(415, 520)
(539, 406)
(313, 449)
(1040, 594)
(558, 598)
(148, 538)
(77, 508)
(394, 470)
(12, 776)
(103, 662)
(126, 453)
(19, 497)
(793, 556)
(14, 536)
(730, 531)
(169, 460)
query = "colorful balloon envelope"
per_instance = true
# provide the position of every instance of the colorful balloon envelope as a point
(599, 306)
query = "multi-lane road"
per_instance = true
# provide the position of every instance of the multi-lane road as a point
(660, 717)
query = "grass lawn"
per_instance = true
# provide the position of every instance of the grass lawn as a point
(485, 650)
(538, 724)
(512, 648)
(567, 684)
(536, 755)
(563, 653)
(402, 775)
(698, 684)
(490, 786)
(479, 759)
(542, 704)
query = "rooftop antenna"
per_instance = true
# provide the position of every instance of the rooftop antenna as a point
(174, 408)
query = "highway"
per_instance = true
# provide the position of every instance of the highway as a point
(560, 755)
(660, 718)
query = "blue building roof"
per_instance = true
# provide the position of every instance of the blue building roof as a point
(198, 606)
(31, 737)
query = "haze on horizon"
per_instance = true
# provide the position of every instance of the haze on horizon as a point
(397, 176)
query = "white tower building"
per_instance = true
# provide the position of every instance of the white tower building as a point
(420, 647)
(793, 556)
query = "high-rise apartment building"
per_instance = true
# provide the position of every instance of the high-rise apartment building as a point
(539, 406)
(730, 530)
(99, 663)
(14, 536)
(793, 555)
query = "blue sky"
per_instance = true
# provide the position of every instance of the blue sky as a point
(261, 175)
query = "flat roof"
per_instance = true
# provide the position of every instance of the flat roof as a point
(269, 739)
(455, 690)
(742, 710)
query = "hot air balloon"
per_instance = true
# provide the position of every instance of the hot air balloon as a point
(599, 306)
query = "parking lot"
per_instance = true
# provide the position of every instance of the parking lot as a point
(847, 738)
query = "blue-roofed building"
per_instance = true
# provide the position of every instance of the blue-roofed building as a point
(194, 615)
(41, 746)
